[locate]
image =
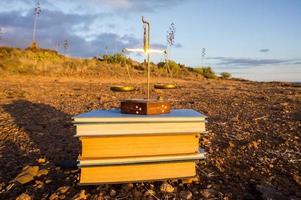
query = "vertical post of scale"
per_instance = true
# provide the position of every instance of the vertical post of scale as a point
(146, 51)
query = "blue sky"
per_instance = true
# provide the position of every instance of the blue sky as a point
(254, 39)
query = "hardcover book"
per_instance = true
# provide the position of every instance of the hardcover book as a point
(120, 147)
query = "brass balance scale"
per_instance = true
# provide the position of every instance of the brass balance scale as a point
(146, 106)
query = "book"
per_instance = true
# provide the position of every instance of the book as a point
(140, 160)
(139, 145)
(105, 129)
(120, 147)
(136, 172)
(114, 115)
(112, 122)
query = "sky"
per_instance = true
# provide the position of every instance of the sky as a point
(253, 39)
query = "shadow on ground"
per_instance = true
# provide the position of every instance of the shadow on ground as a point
(50, 130)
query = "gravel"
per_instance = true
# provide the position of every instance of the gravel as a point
(252, 142)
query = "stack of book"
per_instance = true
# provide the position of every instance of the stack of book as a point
(120, 147)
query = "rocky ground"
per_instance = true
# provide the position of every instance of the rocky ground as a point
(253, 142)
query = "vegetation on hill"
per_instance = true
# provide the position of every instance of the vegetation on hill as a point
(206, 72)
(225, 75)
(50, 62)
(117, 58)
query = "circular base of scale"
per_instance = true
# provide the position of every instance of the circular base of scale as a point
(145, 106)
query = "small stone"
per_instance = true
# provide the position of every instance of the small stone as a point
(32, 170)
(151, 186)
(113, 193)
(166, 188)
(63, 189)
(39, 184)
(41, 160)
(254, 144)
(127, 187)
(54, 196)
(48, 181)
(80, 196)
(149, 193)
(27, 175)
(10, 186)
(186, 195)
(208, 193)
(100, 196)
(25, 178)
(23, 196)
(42, 172)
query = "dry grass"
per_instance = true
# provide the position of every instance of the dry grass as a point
(47, 62)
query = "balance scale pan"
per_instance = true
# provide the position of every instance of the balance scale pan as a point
(164, 86)
(119, 88)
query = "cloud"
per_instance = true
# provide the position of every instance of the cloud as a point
(88, 27)
(250, 61)
(55, 26)
(92, 6)
(163, 46)
(117, 4)
(139, 5)
(157, 46)
(49, 20)
(264, 50)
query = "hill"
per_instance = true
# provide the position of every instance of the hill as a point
(49, 62)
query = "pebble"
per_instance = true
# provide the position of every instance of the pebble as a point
(166, 188)
(48, 181)
(208, 193)
(100, 196)
(80, 196)
(33, 170)
(24, 178)
(27, 175)
(127, 187)
(54, 196)
(149, 193)
(10, 186)
(186, 195)
(42, 172)
(41, 160)
(39, 184)
(63, 189)
(113, 193)
(231, 145)
(23, 196)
